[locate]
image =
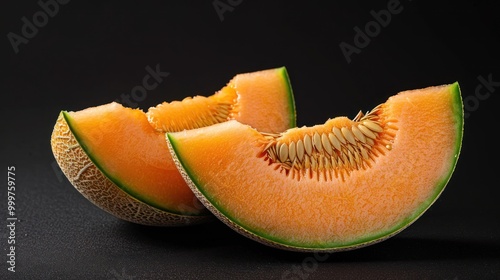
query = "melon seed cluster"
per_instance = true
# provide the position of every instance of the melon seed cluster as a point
(333, 153)
(196, 112)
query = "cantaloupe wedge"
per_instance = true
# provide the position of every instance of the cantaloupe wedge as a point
(341, 185)
(118, 158)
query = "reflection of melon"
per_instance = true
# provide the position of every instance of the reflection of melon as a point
(337, 186)
(118, 158)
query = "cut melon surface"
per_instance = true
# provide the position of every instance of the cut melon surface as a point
(118, 158)
(338, 186)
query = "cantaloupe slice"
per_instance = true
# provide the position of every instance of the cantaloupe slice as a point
(336, 186)
(118, 158)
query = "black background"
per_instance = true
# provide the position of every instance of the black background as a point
(89, 54)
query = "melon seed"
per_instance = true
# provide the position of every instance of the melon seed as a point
(372, 126)
(308, 144)
(358, 134)
(335, 142)
(283, 152)
(339, 135)
(348, 135)
(291, 151)
(326, 143)
(367, 132)
(317, 142)
(300, 150)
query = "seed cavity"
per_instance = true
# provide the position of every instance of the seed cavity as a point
(334, 153)
(209, 111)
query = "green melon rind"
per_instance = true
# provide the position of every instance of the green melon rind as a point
(115, 180)
(291, 100)
(223, 214)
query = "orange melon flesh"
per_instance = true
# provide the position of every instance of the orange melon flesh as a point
(128, 145)
(263, 105)
(131, 153)
(314, 213)
(262, 99)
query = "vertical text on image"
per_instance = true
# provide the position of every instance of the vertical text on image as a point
(11, 218)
